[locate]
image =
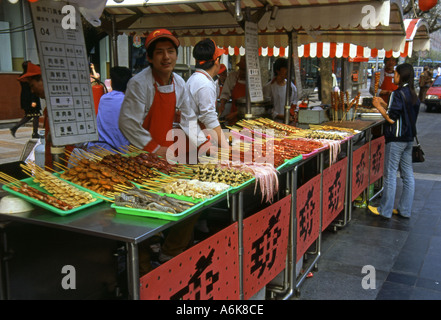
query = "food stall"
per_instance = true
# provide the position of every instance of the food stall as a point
(276, 216)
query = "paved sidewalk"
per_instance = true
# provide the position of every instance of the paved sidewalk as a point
(11, 148)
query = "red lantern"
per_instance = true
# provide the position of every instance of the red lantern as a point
(426, 5)
(32, 0)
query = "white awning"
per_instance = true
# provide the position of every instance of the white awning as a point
(371, 23)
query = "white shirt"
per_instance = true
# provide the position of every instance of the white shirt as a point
(138, 100)
(203, 92)
(277, 93)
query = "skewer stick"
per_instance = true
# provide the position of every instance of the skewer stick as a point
(60, 166)
(8, 179)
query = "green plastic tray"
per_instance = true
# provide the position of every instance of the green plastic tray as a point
(199, 203)
(44, 205)
(157, 214)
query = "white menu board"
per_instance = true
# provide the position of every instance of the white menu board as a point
(254, 79)
(65, 72)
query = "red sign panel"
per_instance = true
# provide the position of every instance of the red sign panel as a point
(265, 242)
(206, 271)
(334, 186)
(377, 159)
(360, 170)
(308, 215)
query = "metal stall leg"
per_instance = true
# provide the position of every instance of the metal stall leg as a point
(133, 271)
(314, 263)
(347, 211)
(287, 274)
(292, 236)
(5, 255)
(240, 235)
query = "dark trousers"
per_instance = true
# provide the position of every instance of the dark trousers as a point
(26, 119)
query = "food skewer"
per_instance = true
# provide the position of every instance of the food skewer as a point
(377, 82)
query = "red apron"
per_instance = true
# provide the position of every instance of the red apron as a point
(159, 119)
(388, 84)
(239, 91)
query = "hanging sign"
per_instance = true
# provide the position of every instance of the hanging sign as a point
(360, 170)
(65, 72)
(254, 80)
(377, 159)
(265, 243)
(308, 215)
(334, 187)
(209, 270)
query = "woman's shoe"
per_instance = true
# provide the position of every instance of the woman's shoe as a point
(374, 210)
(13, 131)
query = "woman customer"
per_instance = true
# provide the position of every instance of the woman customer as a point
(399, 133)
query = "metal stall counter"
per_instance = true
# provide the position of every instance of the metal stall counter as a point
(95, 224)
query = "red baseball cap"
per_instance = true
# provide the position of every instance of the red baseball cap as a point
(32, 70)
(160, 33)
(218, 52)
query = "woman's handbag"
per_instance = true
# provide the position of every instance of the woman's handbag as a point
(417, 152)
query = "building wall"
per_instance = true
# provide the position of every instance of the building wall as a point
(10, 97)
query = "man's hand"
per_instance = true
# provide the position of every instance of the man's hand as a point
(162, 152)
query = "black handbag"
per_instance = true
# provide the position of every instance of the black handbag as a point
(417, 151)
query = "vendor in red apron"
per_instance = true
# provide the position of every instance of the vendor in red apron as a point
(154, 99)
(234, 88)
(386, 85)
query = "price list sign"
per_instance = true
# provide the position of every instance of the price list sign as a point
(65, 72)
(253, 67)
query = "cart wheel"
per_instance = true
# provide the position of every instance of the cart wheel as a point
(316, 267)
(297, 293)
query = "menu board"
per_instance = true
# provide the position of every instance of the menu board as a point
(254, 79)
(65, 72)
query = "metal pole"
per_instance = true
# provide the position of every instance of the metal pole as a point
(133, 270)
(240, 234)
(288, 80)
(114, 43)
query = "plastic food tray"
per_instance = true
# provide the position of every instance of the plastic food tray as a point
(44, 205)
(156, 214)
(166, 215)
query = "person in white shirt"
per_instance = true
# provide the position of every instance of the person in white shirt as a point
(276, 90)
(202, 88)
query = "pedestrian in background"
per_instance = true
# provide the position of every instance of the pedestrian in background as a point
(30, 103)
(425, 83)
(399, 132)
